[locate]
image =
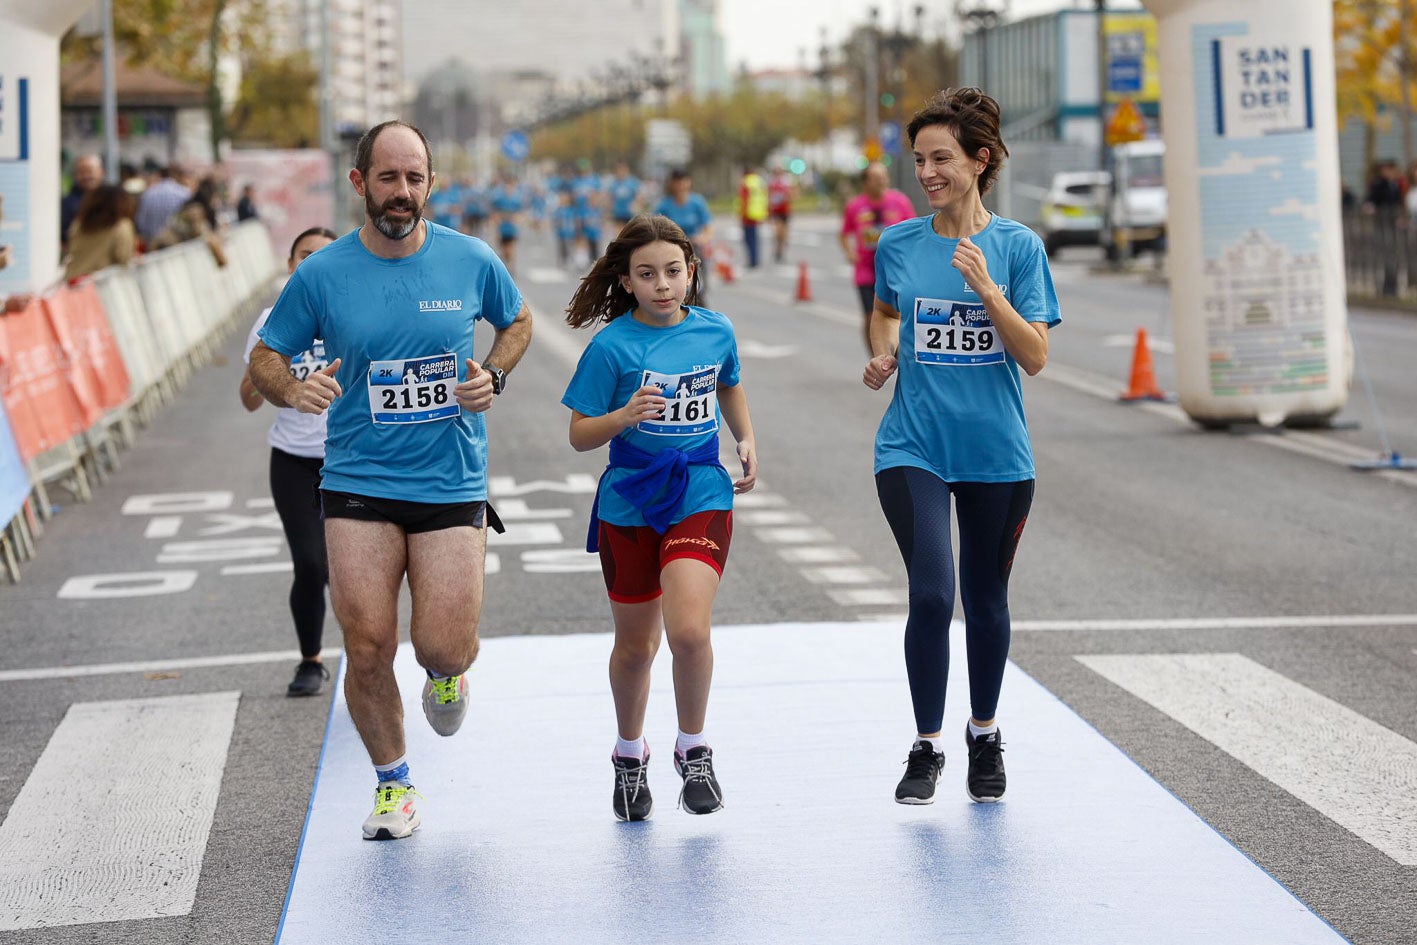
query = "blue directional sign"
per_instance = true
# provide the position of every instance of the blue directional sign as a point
(515, 146)
(1124, 75)
(889, 136)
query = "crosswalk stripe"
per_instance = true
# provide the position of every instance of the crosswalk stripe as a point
(1352, 770)
(113, 821)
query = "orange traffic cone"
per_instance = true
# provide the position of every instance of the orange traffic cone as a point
(1143, 384)
(804, 285)
(724, 267)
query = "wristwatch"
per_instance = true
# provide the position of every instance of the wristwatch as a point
(499, 378)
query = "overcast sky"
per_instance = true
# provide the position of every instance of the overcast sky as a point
(770, 33)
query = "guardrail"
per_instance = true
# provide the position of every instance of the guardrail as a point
(83, 367)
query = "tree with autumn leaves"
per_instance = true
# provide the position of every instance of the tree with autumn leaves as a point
(191, 40)
(1375, 51)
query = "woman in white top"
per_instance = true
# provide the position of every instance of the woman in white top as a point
(297, 453)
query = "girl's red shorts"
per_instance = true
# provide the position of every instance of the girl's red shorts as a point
(631, 556)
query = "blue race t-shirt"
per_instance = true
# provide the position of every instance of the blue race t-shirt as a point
(692, 215)
(623, 191)
(690, 361)
(957, 409)
(404, 330)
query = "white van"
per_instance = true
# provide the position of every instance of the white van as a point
(1136, 211)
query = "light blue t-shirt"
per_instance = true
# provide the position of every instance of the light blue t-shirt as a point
(404, 331)
(957, 409)
(692, 215)
(691, 361)
(623, 191)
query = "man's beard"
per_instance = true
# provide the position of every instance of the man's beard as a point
(386, 226)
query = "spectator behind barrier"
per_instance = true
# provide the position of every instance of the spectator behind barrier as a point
(196, 219)
(160, 202)
(88, 174)
(102, 234)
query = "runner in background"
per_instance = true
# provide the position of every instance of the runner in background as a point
(624, 192)
(866, 215)
(651, 384)
(507, 205)
(780, 194)
(691, 212)
(297, 443)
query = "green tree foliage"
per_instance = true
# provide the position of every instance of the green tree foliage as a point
(1375, 53)
(276, 106)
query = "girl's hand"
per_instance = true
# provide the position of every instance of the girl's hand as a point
(878, 371)
(647, 403)
(969, 260)
(748, 456)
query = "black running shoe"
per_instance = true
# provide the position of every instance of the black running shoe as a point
(701, 794)
(922, 769)
(985, 781)
(632, 800)
(309, 677)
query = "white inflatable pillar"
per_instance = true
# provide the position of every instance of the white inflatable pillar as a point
(1255, 235)
(29, 137)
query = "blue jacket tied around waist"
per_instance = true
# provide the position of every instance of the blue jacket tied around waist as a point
(657, 488)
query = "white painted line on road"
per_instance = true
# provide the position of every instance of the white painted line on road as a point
(517, 509)
(869, 596)
(793, 536)
(846, 574)
(770, 517)
(112, 823)
(1352, 770)
(526, 533)
(267, 568)
(492, 564)
(757, 499)
(1225, 623)
(827, 312)
(160, 666)
(1157, 345)
(895, 617)
(818, 554)
(266, 503)
(163, 526)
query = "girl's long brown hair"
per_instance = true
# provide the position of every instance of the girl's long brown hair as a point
(600, 297)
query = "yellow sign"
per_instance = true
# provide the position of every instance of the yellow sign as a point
(1130, 56)
(1126, 124)
(873, 149)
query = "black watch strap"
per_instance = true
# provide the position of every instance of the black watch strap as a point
(499, 378)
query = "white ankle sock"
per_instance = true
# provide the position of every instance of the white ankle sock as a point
(975, 731)
(932, 740)
(686, 741)
(635, 749)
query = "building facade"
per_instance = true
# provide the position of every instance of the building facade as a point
(366, 54)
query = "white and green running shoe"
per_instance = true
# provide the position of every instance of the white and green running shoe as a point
(445, 703)
(395, 812)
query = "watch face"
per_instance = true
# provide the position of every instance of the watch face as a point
(499, 380)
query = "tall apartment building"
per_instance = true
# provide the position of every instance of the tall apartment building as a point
(366, 53)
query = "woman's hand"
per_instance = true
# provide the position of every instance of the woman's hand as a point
(878, 371)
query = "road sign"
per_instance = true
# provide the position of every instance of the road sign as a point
(872, 149)
(515, 146)
(890, 137)
(1124, 75)
(1126, 124)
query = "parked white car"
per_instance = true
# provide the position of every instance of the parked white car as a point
(1074, 208)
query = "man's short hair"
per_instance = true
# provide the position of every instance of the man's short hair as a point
(364, 152)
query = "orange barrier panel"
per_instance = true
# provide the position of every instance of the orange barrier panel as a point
(30, 363)
(93, 362)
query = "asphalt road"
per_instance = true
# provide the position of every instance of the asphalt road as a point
(1148, 537)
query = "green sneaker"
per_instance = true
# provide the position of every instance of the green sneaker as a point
(395, 813)
(445, 703)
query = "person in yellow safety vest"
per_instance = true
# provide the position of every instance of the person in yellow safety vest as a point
(752, 211)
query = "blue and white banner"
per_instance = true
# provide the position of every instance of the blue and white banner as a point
(14, 481)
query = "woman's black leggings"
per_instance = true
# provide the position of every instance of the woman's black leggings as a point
(295, 484)
(991, 518)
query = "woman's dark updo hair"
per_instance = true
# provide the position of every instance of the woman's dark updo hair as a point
(973, 118)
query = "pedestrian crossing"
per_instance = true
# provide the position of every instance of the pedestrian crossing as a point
(807, 722)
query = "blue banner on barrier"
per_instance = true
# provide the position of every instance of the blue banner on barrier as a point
(14, 481)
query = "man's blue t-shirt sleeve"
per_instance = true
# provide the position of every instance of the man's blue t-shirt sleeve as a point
(501, 299)
(294, 324)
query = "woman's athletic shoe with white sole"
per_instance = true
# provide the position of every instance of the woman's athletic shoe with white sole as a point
(395, 813)
(445, 703)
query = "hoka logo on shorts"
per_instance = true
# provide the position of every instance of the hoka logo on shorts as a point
(440, 305)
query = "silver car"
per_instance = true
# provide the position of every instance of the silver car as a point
(1073, 209)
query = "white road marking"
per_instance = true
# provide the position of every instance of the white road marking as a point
(1352, 770)
(1158, 345)
(125, 840)
(817, 554)
(499, 487)
(171, 503)
(492, 564)
(560, 561)
(846, 574)
(757, 499)
(220, 549)
(526, 533)
(869, 596)
(130, 584)
(163, 526)
(269, 567)
(159, 666)
(509, 509)
(750, 348)
(267, 503)
(793, 536)
(770, 517)
(1225, 623)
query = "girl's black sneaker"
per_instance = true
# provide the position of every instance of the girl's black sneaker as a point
(985, 781)
(701, 794)
(632, 800)
(922, 769)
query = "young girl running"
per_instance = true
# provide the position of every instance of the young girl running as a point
(651, 383)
